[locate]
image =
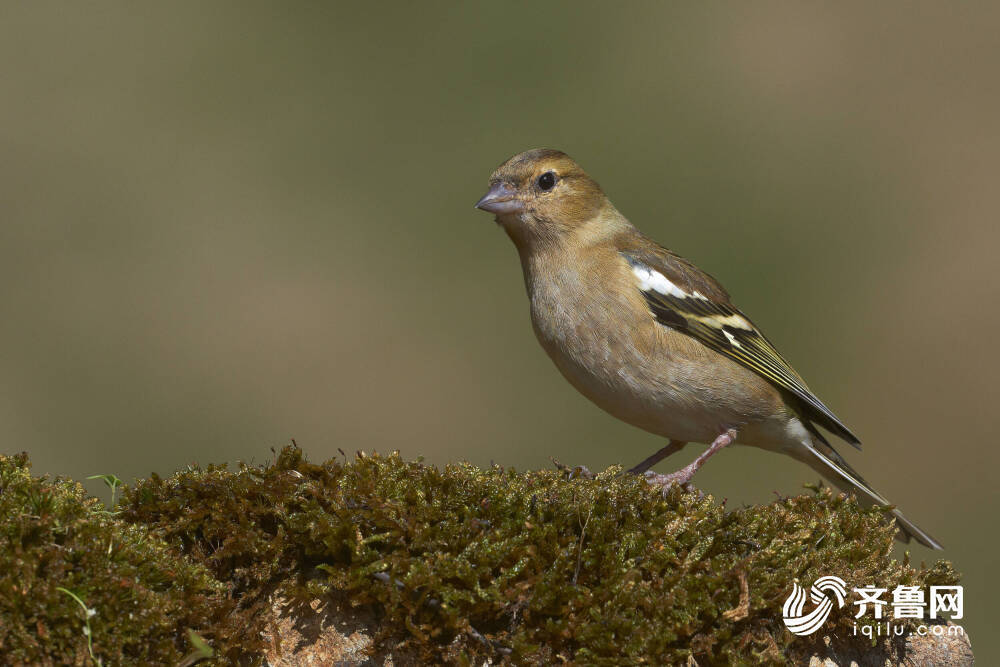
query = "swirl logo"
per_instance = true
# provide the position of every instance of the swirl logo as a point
(806, 624)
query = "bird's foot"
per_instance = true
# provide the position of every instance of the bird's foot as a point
(682, 477)
(572, 472)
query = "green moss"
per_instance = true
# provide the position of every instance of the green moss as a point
(142, 597)
(466, 563)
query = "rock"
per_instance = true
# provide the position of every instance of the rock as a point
(335, 633)
(949, 649)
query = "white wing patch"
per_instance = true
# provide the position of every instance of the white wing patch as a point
(719, 321)
(650, 279)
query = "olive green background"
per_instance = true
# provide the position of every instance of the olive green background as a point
(223, 226)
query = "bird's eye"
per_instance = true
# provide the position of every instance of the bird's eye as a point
(547, 181)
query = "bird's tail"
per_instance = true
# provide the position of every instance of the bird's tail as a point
(825, 460)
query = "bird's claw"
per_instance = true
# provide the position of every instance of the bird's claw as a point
(681, 478)
(572, 472)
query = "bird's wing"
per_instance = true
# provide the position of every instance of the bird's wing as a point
(683, 297)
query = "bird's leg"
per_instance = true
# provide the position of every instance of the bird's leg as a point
(684, 475)
(671, 448)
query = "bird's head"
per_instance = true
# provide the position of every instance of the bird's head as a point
(541, 195)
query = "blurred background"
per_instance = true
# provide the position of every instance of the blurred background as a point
(223, 226)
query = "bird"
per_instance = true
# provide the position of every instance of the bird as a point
(651, 338)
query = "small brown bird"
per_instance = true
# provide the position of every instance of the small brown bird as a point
(652, 339)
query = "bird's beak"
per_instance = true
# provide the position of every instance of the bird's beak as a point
(500, 200)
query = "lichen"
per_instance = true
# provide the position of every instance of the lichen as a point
(461, 563)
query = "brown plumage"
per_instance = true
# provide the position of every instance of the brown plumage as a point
(648, 336)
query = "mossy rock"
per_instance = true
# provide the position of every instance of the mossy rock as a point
(459, 564)
(137, 597)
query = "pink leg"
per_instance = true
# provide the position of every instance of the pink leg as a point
(684, 475)
(671, 448)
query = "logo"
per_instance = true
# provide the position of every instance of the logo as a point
(806, 624)
(908, 602)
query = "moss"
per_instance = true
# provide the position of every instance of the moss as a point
(463, 563)
(59, 543)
